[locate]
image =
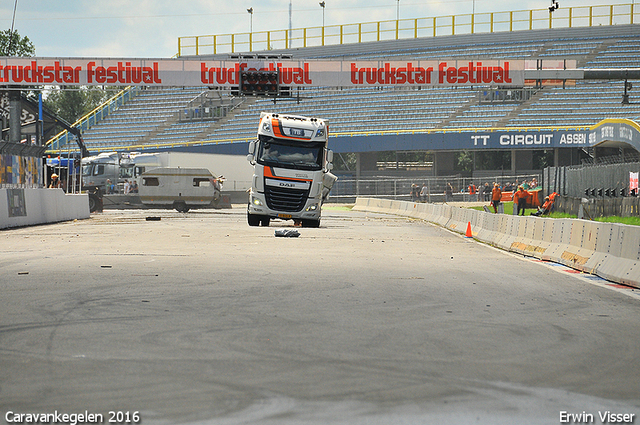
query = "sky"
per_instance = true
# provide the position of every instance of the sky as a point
(150, 28)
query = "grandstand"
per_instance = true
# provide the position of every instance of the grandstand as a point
(158, 119)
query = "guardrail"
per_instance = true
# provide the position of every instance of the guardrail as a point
(579, 16)
(608, 250)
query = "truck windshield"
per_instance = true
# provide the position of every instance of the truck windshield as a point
(283, 153)
(87, 169)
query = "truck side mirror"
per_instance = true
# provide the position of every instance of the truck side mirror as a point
(329, 160)
(252, 152)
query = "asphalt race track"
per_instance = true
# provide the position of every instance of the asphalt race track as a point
(198, 318)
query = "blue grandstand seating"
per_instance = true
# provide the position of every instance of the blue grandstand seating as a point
(151, 117)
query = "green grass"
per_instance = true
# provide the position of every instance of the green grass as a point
(634, 221)
(508, 208)
(337, 207)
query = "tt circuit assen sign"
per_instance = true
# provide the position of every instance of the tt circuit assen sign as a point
(610, 132)
(191, 72)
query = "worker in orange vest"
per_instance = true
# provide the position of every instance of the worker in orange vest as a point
(496, 196)
(472, 192)
(520, 198)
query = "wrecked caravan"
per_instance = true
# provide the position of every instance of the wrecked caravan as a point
(179, 188)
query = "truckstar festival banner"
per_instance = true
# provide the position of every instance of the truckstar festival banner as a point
(190, 72)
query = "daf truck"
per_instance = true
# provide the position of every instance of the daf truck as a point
(291, 170)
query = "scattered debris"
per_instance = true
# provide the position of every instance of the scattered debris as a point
(287, 233)
(19, 273)
(154, 218)
(106, 267)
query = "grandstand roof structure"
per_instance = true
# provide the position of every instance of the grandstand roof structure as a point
(539, 115)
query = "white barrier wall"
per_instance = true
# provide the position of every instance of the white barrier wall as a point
(609, 250)
(26, 207)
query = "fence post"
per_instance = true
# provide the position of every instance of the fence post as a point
(570, 16)
(611, 16)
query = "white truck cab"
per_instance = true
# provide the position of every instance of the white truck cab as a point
(291, 177)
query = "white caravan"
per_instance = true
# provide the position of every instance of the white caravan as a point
(179, 188)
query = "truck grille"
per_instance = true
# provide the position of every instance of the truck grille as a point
(284, 199)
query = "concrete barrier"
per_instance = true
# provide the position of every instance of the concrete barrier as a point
(609, 250)
(625, 267)
(26, 207)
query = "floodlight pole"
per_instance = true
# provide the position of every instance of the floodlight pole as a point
(250, 10)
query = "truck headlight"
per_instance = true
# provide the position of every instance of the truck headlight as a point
(312, 207)
(257, 202)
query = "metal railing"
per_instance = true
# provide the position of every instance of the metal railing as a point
(347, 188)
(98, 148)
(579, 16)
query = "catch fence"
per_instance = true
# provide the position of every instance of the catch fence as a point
(348, 188)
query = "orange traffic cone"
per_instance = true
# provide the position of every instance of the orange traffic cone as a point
(468, 234)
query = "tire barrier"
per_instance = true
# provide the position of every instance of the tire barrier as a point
(608, 250)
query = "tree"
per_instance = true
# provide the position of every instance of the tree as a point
(464, 161)
(11, 44)
(72, 103)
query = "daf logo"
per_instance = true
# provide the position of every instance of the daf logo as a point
(283, 184)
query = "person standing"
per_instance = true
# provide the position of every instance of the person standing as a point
(520, 196)
(472, 192)
(448, 192)
(486, 191)
(496, 196)
(424, 192)
(55, 183)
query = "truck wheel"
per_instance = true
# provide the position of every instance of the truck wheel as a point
(254, 220)
(265, 221)
(93, 202)
(311, 223)
(181, 207)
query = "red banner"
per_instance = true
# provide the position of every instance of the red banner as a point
(192, 72)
